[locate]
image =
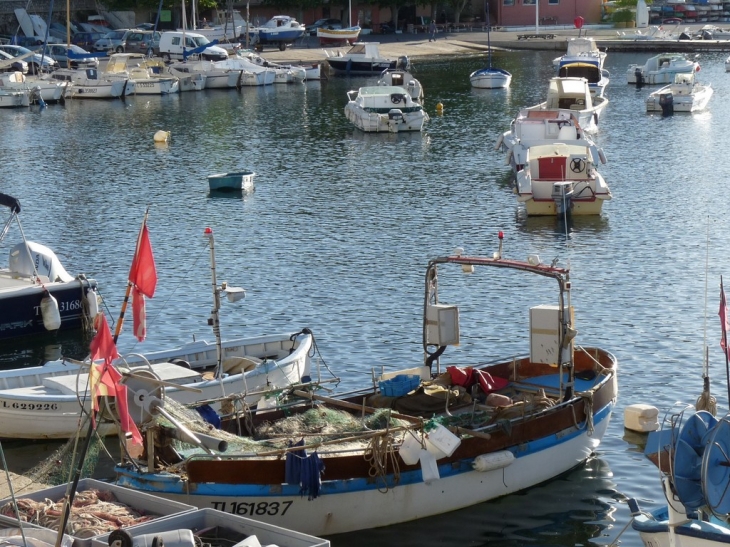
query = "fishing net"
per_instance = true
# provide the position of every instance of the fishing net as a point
(59, 467)
(317, 424)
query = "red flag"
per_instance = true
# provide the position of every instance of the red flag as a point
(724, 321)
(143, 273)
(105, 378)
(103, 346)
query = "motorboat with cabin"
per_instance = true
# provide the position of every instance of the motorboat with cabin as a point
(573, 94)
(382, 109)
(537, 127)
(402, 77)
(89, 83)
(684, 94)
(661, 69)
(560, 179)
(582, 49)
(598, 78)
(362, 58)
(147, 75)
(280, 30)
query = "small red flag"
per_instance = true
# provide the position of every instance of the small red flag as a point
(105, 378)
(724, 321)
(103, 346)
(143, 273)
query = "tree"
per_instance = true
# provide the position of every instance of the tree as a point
(458, 6)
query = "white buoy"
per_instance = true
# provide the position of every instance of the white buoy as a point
(162, 136)
(92, 301)
(50, 313)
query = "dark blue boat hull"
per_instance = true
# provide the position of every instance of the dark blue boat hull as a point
(20, 313)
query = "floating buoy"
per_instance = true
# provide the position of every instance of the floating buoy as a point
(50, 313)
(439, 108)
(92, 302)
(162, 136)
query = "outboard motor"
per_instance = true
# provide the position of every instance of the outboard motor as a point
(562, 195)
(403, 63)
(639, 76)
(684, 36)
(666, 101)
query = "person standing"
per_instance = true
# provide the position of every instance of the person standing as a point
(432, 31)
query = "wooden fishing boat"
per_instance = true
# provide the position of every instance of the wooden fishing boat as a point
(338, 35)
(450, 437)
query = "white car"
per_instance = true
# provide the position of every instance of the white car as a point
(35, 60)
(8, 63)
(112, 41)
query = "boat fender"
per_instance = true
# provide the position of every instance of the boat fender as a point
(602, 156)
(50, 313)
(494, 460)
(92, 302)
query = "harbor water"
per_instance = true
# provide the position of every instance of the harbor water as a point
(339, 229)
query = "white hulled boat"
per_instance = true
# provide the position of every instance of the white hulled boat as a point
(380, 108)
(684, 94)
(574, 96)
(561, 179)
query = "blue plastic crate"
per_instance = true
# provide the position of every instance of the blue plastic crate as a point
(399, 385)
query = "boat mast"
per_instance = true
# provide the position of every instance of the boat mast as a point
(489, 43)
(215, 321)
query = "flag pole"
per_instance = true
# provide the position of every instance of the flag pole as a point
(724, 337)
(125, 303)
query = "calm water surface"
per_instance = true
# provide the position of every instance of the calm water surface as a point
(338, 232)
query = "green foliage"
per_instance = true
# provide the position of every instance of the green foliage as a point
(623, 16)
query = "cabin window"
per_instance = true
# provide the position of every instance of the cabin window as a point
(553, 2)
(528, 2)
(508, 2)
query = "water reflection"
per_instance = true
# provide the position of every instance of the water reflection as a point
(39, 349)
(558, 225)
(580, 505)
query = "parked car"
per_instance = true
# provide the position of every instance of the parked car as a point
(35, 60)
(112, 41)
(86, 40)
(13, 66)
(141, 41)
(59, 52)
(323, 23)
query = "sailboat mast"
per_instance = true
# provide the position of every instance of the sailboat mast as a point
(489, 43)
(349, 14)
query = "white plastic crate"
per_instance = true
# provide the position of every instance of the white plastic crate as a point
(267, 534)
(140, 501)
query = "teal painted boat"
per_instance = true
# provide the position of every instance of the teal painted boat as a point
(239, 180)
